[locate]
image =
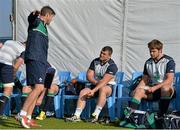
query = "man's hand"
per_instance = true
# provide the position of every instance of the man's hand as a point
(36, 12)
(91, 93)
(151, 89)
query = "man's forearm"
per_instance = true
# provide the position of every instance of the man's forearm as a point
(99, 85)
(93, 81)
(164, 83)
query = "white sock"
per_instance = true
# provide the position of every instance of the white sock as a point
(78, 112)
(23, 113)
(97, 111)
(29, 117)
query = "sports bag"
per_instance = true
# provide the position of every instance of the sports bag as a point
(169, 121)
(138, 119)
(74, 87)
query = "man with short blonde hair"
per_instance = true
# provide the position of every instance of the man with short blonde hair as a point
(157, 80)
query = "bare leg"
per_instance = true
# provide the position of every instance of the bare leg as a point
(104, 92)
(33, 96)
(82, 98)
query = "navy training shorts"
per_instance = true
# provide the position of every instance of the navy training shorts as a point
(36, 72)
(6, 73)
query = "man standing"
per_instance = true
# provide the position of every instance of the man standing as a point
(36, 58)
(53, 89)
(101, 75)
(157, 80)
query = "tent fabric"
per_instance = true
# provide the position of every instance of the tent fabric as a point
(82, 27)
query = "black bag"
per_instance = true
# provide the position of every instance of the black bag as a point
(169, 121)
(138, 119)
(74, 89)
(79, 86)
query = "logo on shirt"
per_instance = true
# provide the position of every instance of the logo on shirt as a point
(171, 70)
(40, 80)
(110, 72)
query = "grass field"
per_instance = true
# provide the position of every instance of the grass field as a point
(54, 123)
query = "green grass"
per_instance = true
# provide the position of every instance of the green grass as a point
(54, 123)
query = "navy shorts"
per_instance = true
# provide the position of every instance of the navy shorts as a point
(6, 73)
(49, 77)
(36, 72)
(154, 96)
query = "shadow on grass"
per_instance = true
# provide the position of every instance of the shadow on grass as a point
(9, 123)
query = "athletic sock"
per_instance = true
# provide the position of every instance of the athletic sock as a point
(23, 97)
(23, 113)
(134, 103)
(3, 101)
(78, 112)
(164, 105)
(97, 111)
(48, 101)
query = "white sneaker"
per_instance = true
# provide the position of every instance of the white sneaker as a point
(73, 119)
(24, 122)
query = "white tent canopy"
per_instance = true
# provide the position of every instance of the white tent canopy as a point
(82, 27)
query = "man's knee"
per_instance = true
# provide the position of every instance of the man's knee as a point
(53, 89)
(8, 90)
(167, 91)
(138, 92)
(84, 91)
(105, 90)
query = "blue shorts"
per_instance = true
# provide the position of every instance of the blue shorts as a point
(36, 72)
(6, 73)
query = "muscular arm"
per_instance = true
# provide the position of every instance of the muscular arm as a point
(103, 82)
(100, 83)
(90, 77)
(167, 82)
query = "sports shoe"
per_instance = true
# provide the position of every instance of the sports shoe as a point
(73, 119)
(3, 117)
(24, 122)
(104, 120)
(17, 117)
(41, 116)
(94, 118)
(49, 114)
(32, 123)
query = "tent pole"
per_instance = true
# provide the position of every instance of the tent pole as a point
(13, 19)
